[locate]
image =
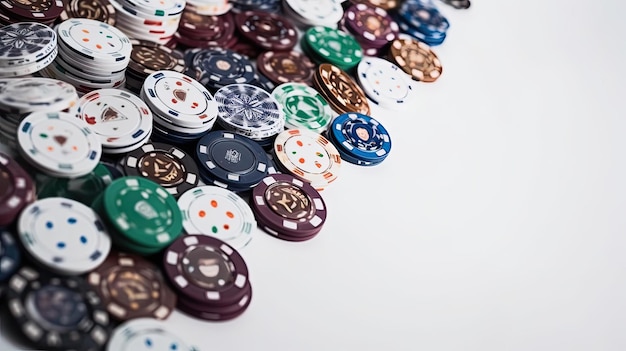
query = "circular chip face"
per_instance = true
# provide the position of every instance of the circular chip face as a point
(303, 107)
(385, 83)
(146, 334)
(95, 41)
(249, 110)
(57, 312)
(10, 256)
(308, 156)
(25, 42)
(164, 164)
(291, 206)
(268, 30)
(371, 23)
(119, 118)
(36, 94)
(286, 66)
(232, 159)
(217, 212)
(59, 144)
(148, 57)
(335, 46)
(180, 98)
(341, 90)
(132, 287)
(219, 67)
(99, 10)
(143, 211)
(361, 136)
(317, 12)
(423, 16)
(416, 59)
(64, 235)
(206, 269)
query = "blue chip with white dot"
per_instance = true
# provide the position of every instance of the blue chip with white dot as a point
(146, 334)
(63, 235)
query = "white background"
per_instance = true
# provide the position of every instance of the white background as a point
(497, 222)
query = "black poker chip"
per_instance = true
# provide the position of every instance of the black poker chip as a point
(57, 313)
(166, 165)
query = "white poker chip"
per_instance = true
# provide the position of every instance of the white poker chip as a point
(217, 212)
(64, 235)
(385, 83)
(95, 41)
(146, 334)
(316, 12)
(121, 119)
(179, 100)
(25, 43)
(59, 144)
(26, 95)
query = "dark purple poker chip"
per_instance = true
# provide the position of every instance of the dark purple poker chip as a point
(219, 315)
(206, 269)
(270, 31)
(38, 10)
(242, 303)
(373, 24)
(16, 189)
(289, 206)
(268, 228)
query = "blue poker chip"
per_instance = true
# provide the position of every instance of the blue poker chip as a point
(360, 138)
(424, 17)
(10, 255)
(217, 67)
(231, 161)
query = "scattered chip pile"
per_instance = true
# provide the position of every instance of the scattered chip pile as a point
(26, 48)
(303, 107)
(422, 20)
(92, 55)
(155, 21)
(20, 97)
(372, 27)
(210, 276)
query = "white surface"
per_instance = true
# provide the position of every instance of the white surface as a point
(497, 222)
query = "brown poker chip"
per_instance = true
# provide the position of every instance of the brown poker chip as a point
(286, 66)
(132, 287)
(340, 90)
(417, 59)
(99, 10)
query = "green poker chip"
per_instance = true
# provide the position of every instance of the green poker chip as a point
(303, 107)
(80, 189)
(143, 212)
(333, 46)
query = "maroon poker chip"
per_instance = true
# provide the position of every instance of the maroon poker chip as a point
(43, 11)
(232, 312)
(242, 303)
(270, 31)
(286, 66)
(17, 189)
(206, 269)
(371, 24)
(288, 206)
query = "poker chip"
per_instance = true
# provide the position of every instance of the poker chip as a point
(197, 30)
(306, 13)
(58, 144)
(209, 7)
(145, 334)
(210, 276)
(148, 57)
(121, 120)
(99, 10)
(371, 26)
(270, 31)
(360, 139)
(308, 156)
(164, 164)
(132, 287)
(26, 48)
(64, 235)
(416, 59)
(17, 189)
(303, 107)
(40, 11)
(422, 20)
(286, 66)
(217, 212)
(57, 313)
(261, 5)
(10, 255)
(143, 216)
(154, 21)
(249, 111)
(81, 189)
(383, 4)
(340, 90)
(458, 4)
(334, 46)
(216, 68)
(231, 161)
(288, 208)
(385, 83)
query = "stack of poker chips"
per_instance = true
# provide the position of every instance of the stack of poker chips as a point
(288, 208)
(18, 190)
(26, 48)
(422, 20)
(268, 31)
(20, 97)
(306, 13)
(44, 12)
(360, 139)
(148, 57)
(231, 161)
(92, 55)
(372, 27)
(202, 30)
(183, 109)
(148, 20)
(210, 276)
(140, 215)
